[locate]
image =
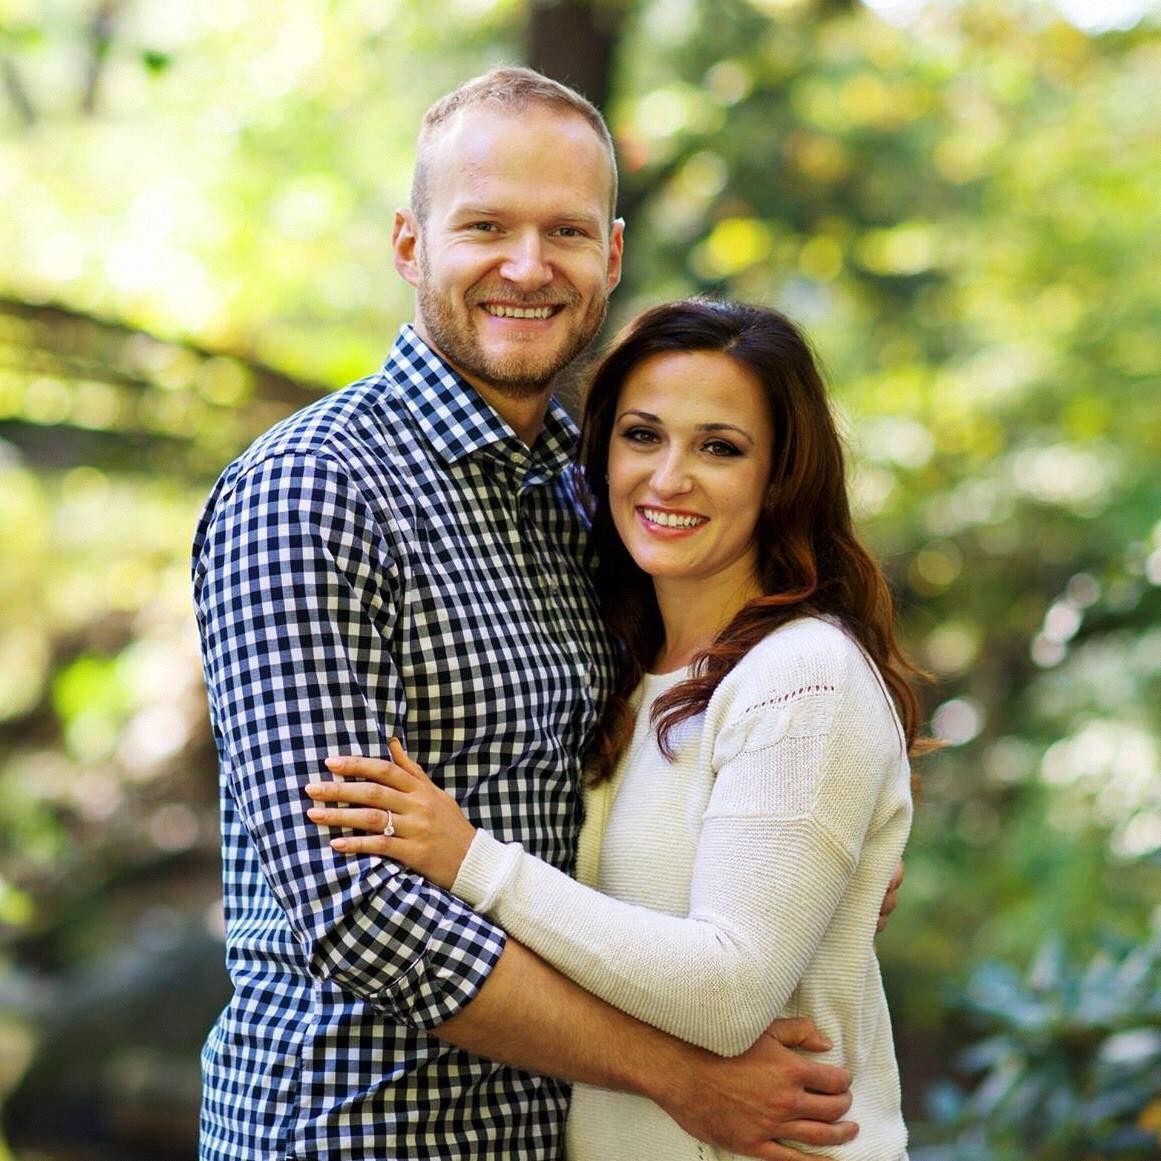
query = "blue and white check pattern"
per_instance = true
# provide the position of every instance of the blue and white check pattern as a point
(390, 560)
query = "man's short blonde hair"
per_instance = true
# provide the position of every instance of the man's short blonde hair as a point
(509, 89)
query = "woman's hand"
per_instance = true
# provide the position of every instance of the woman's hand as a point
(406, 816)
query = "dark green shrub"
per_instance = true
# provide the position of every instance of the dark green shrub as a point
(1071, 1069)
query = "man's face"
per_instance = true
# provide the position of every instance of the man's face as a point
(515, 260)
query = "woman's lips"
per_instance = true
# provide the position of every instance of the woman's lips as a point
(668, 520)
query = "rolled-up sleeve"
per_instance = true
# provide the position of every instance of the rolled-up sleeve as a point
(296, 594)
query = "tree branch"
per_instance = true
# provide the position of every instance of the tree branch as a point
(72, 330)
(101, 30)
(17, 92)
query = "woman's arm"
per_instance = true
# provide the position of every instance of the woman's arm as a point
(767, 877)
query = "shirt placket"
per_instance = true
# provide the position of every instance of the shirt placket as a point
(556, 594)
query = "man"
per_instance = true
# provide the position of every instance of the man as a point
(405, 557)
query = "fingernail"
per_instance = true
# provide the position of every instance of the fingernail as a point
(339, 844)
(314, 812)
(312, 788)
(334, 763)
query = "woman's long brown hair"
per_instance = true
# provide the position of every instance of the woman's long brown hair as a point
(810, 561)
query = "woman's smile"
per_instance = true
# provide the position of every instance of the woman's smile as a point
(663, 520)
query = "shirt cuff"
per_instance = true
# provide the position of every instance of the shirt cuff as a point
(443, 981)
(485, 871)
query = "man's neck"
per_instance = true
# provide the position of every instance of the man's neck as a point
(523, 414)
(522, 411)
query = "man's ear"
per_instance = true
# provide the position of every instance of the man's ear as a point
(405, 245)
(616, 249)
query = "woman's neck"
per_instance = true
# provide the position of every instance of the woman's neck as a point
(694, 613)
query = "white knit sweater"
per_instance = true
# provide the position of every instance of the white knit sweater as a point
(739, 883)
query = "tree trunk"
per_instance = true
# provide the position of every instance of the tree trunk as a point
(572, 41)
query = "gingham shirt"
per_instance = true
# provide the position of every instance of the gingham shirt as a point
(390, 560)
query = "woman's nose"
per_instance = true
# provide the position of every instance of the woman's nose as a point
(671, 476)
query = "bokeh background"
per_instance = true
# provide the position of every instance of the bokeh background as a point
(962, 204)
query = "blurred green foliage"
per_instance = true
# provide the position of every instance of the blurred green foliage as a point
(1071, 1068)
(962, 204)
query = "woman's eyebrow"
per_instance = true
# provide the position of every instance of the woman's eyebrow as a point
(725, 427)
(649, 417)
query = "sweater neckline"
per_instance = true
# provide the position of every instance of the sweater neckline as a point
(659, 681)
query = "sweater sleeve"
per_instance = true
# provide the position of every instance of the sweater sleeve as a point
(778, 844)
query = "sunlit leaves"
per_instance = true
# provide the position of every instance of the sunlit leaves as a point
(960, 206)
(214, 195)
(734, 245)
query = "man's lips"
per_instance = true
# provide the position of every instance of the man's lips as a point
(540, 313)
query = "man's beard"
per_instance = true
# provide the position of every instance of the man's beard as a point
(511, 375)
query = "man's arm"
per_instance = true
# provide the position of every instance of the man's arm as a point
(293, 593)
(529, 1015)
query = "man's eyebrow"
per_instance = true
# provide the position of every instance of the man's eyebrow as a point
(481, 211)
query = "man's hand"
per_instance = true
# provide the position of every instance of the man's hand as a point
(891, 899)
(749, 1103)
(742, 1103)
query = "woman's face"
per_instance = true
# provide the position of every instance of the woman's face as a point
(689, 462)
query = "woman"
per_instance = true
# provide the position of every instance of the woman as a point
(751, 791)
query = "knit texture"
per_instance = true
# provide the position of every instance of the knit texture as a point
(740, 883)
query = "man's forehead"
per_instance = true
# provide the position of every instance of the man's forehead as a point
(477, 136)
(483, 122)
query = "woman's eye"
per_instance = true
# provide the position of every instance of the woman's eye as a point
(722, 447)
(639, 435)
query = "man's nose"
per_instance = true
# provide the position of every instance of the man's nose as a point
(525, 262)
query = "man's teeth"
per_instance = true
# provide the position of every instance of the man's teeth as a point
(671, 519)
(540, 312)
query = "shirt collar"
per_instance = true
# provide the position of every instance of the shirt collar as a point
(457, 421)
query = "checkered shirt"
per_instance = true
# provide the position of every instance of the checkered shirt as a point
(390, 560)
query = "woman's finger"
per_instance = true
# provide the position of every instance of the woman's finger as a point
(402, 759)
(357, 794)
(367, 844)
(373, 769)
(347, 818)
